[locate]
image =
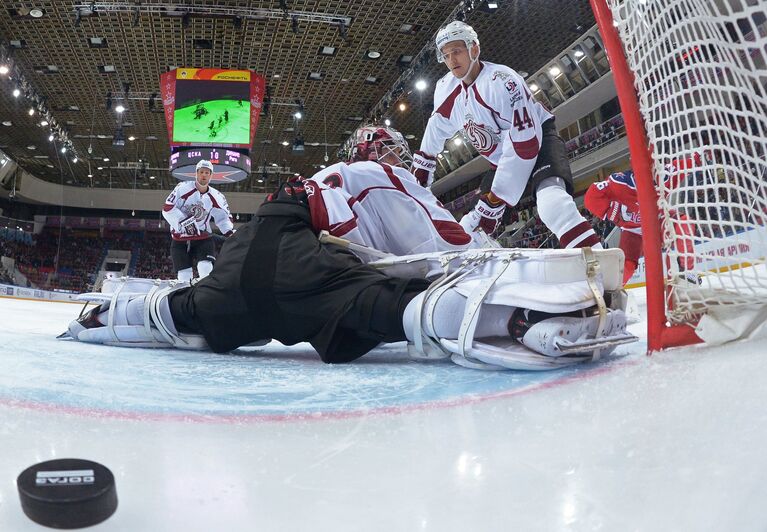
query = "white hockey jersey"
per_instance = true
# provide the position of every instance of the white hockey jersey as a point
(186, 201)
(383, 207)
(500, 117)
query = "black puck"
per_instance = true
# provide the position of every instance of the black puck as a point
(67, 493)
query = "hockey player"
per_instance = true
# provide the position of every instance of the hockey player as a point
(189, 210)
(493, 107)
(615, 199)
(373, 200)
(275, 280)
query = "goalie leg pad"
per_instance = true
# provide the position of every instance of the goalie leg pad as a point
(134, 320)
(559, 286)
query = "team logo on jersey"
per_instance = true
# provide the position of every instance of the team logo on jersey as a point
(334, 180)
(196, 210)
(500, 74)
(483, 138)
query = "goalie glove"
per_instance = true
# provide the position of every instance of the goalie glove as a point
(188, 227)
(486, 215)
(423, 168)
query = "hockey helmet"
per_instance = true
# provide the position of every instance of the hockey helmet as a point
(455, 31)
(375, 143)
(204, 164)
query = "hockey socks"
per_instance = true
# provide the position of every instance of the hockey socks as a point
(558, 212)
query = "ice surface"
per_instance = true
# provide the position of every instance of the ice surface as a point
(272, 439)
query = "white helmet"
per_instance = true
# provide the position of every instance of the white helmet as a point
(455, 31)
(204, 164)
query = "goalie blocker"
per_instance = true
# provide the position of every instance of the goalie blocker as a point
(518, 309)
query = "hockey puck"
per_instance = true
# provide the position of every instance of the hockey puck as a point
(67, 493)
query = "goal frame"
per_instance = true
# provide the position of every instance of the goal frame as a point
(660, 333)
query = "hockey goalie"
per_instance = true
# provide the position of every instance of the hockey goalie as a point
(485, 308)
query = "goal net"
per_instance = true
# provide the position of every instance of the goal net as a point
(695, 70)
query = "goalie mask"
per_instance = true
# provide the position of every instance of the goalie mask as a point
(378, 143)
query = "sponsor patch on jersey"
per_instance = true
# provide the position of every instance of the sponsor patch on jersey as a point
(515, 94)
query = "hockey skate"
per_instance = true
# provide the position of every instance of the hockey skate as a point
(568, 305)
(131, 312)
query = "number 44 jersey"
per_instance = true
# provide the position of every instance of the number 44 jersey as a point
(499, 116)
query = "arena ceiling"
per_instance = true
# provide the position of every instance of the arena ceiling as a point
(65, 65)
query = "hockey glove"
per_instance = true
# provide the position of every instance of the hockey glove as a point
(423, 168)
(188, 227)
(486, 216)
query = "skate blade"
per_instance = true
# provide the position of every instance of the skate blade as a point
(567, 347)
(64, 336)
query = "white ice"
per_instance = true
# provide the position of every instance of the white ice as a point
(270, 439)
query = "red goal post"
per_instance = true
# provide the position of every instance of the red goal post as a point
(690, 78)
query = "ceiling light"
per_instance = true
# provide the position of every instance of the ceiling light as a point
(119, 108)
(99, 168)
(31, 147)
(63, 149)
(106, 159)
(458, 141)
(285, 143)
(387, 122)
(578, 53)
(421, 85)
(298, 115)
(440, 156)
(44, 123)
(31, 111)
(554, 71)
(534, 87)
(371, 79)
(36, 12)
(151, 177)
(16, 93)
(327, 50)
(3, 69)
(7, 123)
(274, 164)
(402, 106)
(323, 166)
(50, 138)
(131, 138)
(372, 54)
(90, 175)
(74, 160)
(492, 5)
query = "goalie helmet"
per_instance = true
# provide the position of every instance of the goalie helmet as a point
(378, 143)
(455, 31)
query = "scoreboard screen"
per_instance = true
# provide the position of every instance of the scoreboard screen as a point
(211, 106)
(229, 166)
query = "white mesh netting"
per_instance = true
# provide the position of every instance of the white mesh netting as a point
(700, 72)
